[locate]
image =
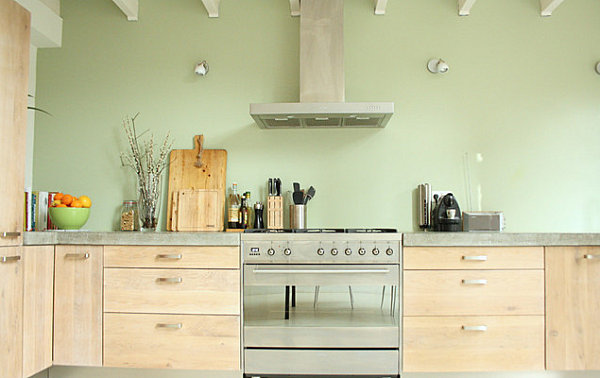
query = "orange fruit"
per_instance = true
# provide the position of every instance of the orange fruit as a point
(85, 201)
(66, 199)
(58, 196)
(76, 204)
(61, 205)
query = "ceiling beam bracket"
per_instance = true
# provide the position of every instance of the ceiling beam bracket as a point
(380, 6)
(548, 6)
(464, 7)
(129, 7)
(295, 8)
(212, 7)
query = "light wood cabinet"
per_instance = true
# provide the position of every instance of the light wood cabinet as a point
(11, 312)
(38, 295)
(473, 309)
(14, 70)
(573, 308)
(172, 307)
(78, 305)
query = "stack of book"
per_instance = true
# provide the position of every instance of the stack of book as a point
(36, 215)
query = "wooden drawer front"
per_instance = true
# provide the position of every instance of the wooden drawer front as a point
(474, 292)
(473, 257)
(171, 257)
(178, 291)
(440, 344)
(202, 342)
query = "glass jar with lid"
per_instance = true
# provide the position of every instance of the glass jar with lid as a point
(129, 216)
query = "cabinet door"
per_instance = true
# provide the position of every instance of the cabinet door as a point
(38, 294)
(78, 306)
(14, 69)
(573, 308)
(11, 312)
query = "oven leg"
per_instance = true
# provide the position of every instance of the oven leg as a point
(316, 296)
(382, 296)
(351, 297)
(294, 296)
(287, 302)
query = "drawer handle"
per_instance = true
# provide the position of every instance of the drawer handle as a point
(475, 258)
(6, 235)
(170, 279)
(591, 257)
(169, 257)
(77, 256)
(9, 259)
(480, 328)
(170, 326)
(474, 282)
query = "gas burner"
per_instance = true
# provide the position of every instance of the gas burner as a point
(266, 231)
(369, 230)
(319, 231)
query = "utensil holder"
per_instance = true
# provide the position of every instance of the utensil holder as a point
(297, 217)
(275, 212)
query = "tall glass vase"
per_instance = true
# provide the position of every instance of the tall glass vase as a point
(149, 201)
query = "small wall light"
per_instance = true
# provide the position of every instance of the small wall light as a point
(437, 66)
(201, 68)
(598, 68)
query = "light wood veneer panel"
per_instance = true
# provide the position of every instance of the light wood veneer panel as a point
(191, 257)
(489, 257)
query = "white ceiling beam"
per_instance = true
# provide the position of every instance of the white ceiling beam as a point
(380, 7)
(129, 7)
(295, 8)
(464, 7)
(548, 6)
(212, 7)
(46, 24)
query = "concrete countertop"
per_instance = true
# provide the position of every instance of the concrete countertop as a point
(131, 238)
(478, 239)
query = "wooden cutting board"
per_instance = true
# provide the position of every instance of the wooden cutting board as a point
(184, 174)
(196, 210)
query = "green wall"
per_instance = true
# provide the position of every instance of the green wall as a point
(521, 91)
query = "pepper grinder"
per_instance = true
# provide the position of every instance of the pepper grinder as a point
(258, 216)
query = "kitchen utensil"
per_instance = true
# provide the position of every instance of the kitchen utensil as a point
(270, 186)
(277, 186)
(258, 216)
(297, 217)
(275, 212)
(309, 194)
(183, 174)
(296, 187)
(446, 215)
(197, 210)
(69, 218)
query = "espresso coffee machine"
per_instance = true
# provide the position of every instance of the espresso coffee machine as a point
(438, 210)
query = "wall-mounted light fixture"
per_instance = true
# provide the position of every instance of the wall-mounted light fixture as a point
(201, 68)
(437, 66)
(598, 68)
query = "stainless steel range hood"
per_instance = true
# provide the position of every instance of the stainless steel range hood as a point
(322, 101)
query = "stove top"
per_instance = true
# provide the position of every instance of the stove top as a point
(324, 231)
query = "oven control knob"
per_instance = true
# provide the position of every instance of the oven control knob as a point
(362, 251)
(389, 251)
(320, 251)
(287, 251)
(270, 251)
(375, 251)
(334, 251)
(348, 251)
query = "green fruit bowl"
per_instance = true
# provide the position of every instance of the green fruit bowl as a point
(69, 218)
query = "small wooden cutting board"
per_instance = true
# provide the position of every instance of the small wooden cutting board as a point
(184, 174)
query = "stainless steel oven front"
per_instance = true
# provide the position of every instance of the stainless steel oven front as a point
(331, 317)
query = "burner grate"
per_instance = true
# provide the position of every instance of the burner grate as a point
(325, 231)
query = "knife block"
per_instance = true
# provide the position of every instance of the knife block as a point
(274, 212)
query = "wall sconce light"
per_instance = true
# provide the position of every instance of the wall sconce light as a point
(437, 66)
(598, 68)
(201, 68)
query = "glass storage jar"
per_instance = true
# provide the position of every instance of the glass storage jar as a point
(129, 216)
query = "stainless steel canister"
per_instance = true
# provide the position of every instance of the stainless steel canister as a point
(297, 216)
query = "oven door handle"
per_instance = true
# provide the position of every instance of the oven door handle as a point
(319, 271)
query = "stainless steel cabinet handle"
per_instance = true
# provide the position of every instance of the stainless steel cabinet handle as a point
(480, 328)
(170, 279)
(77, 256)
(169, 257)
(6, 235)
(474, 282)
(475, 258)
(167, 325)
(9, 259)
(319, 271)
(591, 257)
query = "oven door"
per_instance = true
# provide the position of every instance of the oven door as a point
(322, 306)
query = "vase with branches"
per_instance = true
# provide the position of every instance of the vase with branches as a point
(148, 160)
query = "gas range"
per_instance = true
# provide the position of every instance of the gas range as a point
(322, 246)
